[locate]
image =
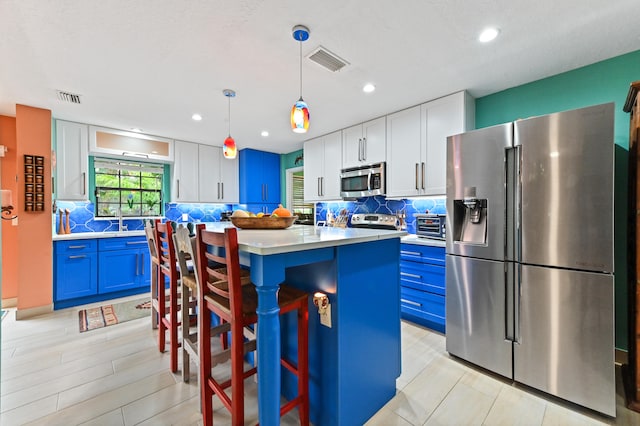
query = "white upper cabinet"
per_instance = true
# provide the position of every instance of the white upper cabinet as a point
(185, 186)
(364, 143)
(218, 176)
(322, 167)
(113, 143)
(417, 140)
(72, 161)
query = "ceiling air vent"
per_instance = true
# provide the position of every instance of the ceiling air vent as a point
(68, 97)
(330, 61)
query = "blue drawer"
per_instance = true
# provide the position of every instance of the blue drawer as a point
(422, 254)
(422, 307)
(122, 243)
(76, 246)
(423, 277)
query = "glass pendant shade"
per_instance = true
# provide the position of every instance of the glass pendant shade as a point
(300, 117)
(229, 149)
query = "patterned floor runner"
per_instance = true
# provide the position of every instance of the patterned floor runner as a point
(106, 315)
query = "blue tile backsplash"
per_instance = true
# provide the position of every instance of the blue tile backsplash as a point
(81, 217)
(379, 204)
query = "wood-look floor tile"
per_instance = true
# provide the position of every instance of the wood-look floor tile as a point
(476, 407)
(186, 413)
(516, 407)
(158, 402)
(32, 411)
(555, 415)
(112, 418)
(387, 417)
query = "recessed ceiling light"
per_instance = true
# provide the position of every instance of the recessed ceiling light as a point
(264, 134)
(196, 117)
(368, 88)
(488, 35)
(135, 129)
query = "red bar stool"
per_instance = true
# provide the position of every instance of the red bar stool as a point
(221, 292)
(167, 314)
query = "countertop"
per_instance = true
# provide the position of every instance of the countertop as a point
(302, 237)
(91, 235)
(414, 239)
(272, 241)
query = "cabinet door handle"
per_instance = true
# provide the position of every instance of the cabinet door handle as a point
(318, 187)
(77, 247)
(266, 191)
(410, 253)
(423, 174)
(410, 302)
(322, 185)
(406, 274)
(134, 243)
(364, 149)
(178, 184)
(222, 190)
(137, 263)
(218, 196)
(84, 183)
(417, 187)
(78, 256)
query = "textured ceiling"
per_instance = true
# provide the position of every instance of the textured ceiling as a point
(151, 64)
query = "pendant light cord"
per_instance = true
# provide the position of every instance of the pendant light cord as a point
(229, 109)
(300, 69)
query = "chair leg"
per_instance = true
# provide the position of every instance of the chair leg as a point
(204, 353)
(303, 363)
(237, 374)
(154, 295)
(162, 328)
(173, 326)
(186, 296)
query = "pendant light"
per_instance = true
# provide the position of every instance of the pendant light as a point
(300, 110)
(229, 147)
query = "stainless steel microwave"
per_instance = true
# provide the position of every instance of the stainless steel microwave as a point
(363, 181)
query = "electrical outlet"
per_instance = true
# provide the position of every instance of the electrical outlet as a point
(14, 221)
(325, 318)
(185, 217)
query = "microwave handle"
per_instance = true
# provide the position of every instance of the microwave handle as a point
(369, 181)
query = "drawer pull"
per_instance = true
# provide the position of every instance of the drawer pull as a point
(80, 256)
(133, 243)
(410, 253)
(77, 247)
(406, 274)
(410, 302)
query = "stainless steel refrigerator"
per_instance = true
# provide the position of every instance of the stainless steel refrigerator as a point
(529, 269)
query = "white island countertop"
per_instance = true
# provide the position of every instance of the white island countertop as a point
(302, 237)
(91, 235)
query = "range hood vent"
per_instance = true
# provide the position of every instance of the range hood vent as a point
(326, 59)
(68, 97)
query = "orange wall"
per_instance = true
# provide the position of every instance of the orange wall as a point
(34, 247)
(9, 232)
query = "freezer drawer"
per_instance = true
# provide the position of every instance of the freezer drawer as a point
(476, 309)
(566, 336)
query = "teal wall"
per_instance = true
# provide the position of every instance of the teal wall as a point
(606, 81)
(288, 161)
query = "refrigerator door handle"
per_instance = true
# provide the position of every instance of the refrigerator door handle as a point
(508, 301)
(517, 302)
(518, 201)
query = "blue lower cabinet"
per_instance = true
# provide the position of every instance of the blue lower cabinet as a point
(422, 281)
(124, 264)
(94, 270)
(75, 269)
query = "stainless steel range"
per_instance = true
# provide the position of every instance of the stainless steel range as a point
(374, 221)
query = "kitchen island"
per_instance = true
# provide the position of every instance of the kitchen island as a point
(354, 363)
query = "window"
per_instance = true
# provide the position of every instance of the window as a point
(129, 187)
(298, 206)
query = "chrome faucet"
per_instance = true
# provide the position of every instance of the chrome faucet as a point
(121, 226)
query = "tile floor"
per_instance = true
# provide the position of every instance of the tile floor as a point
(53, 375)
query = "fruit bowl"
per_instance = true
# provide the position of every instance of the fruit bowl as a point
(264, 222)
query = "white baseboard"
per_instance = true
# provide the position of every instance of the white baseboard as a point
(32, 312)
(10, 302)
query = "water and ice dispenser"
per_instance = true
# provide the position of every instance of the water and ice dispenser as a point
(470, 218)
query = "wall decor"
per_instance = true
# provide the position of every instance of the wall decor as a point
(34, 183)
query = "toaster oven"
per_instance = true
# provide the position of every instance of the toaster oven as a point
(431, 226)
